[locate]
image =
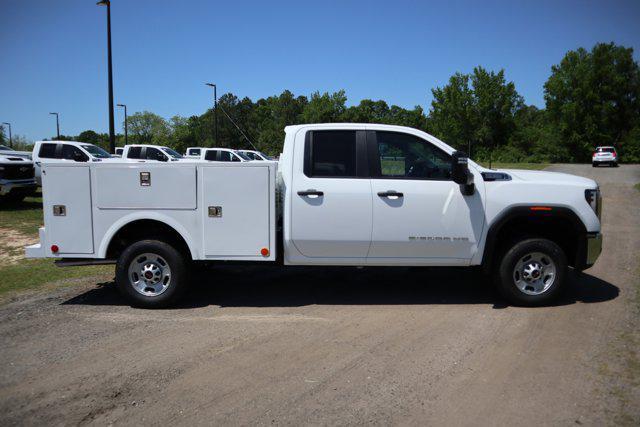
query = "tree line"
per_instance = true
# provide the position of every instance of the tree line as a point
(592, 98)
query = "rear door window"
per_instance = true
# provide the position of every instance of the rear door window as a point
(48, 151)
(333, 154)
(211, 155)
(134, 153)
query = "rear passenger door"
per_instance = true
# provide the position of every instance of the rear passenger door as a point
(331, 196)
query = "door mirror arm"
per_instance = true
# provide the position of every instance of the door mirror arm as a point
(461, 174)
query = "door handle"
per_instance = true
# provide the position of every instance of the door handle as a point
(311, 193)
(390, 193)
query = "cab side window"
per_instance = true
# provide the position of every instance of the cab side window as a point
(332, 154)
(226, 156)
(70, 152)
(155, 154)
(211, 155)
(405, 156)
(47, 151)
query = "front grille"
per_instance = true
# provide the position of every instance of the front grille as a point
(17, 172)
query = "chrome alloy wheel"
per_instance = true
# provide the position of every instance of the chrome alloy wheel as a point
(534, 273)
(149, 274)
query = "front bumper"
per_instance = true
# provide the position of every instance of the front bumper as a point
(25, 185)
(605, 160)
(594, 248)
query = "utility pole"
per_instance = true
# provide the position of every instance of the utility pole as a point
(57, 124)
(10, 140)
(215, 112)
(126, 133)
(112, 136)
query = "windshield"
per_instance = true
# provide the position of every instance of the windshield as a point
(243, 156)
(96, 151)
(172, 153)
(606, 150)
(5, 148)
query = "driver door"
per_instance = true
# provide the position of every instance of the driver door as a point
(418, 211)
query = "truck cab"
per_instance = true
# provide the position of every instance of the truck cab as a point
(65, 151)
(147, 152)
(341, 194)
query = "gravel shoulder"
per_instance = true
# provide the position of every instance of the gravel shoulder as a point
(338, 346)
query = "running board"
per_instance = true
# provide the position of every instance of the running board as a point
(74, 262)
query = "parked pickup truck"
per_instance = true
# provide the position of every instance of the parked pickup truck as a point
(17, 178)
(342, 194)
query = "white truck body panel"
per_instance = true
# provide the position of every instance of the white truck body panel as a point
(95, 213)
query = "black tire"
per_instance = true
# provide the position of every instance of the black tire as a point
(176, 285)
(504, 272)
(594, 165)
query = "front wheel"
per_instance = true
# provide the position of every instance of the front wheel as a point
(532, 272)
(151, 274)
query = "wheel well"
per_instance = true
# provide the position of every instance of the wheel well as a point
(146, 229)
(560, 229)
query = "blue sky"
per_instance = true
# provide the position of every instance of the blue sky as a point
(54, 52)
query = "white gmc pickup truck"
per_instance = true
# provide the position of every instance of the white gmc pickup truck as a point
(341, 194)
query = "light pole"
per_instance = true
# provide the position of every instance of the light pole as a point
(215, 112)
(10, 140)
(57, 124)
(112, 137)
(126, 133)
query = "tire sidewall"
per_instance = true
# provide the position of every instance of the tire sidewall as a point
(176, 262)
(508, 288)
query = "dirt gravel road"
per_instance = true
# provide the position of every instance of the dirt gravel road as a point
(337, 346)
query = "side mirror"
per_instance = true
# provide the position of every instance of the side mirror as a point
(461, 174)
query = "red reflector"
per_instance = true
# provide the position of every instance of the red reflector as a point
(264, 252)
(54, 248)
(540, 208)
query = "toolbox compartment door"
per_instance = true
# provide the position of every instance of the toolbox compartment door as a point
(152, 186)
(242, 196)
(66, 193)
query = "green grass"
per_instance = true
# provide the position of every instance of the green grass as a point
(637, 186)
(527, 166)
(29, 274)
(25, 217)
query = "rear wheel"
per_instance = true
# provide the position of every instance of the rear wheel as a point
(594, 164)
(532, 272)
(151, 274)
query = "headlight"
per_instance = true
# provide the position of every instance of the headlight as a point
(594, 198)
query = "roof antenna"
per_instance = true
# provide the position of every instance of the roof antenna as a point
(237, 127)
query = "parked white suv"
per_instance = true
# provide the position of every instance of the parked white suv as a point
(65, 151)
(223, 155)
(605, 155)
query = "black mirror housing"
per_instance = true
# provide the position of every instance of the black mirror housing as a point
(460, 172)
